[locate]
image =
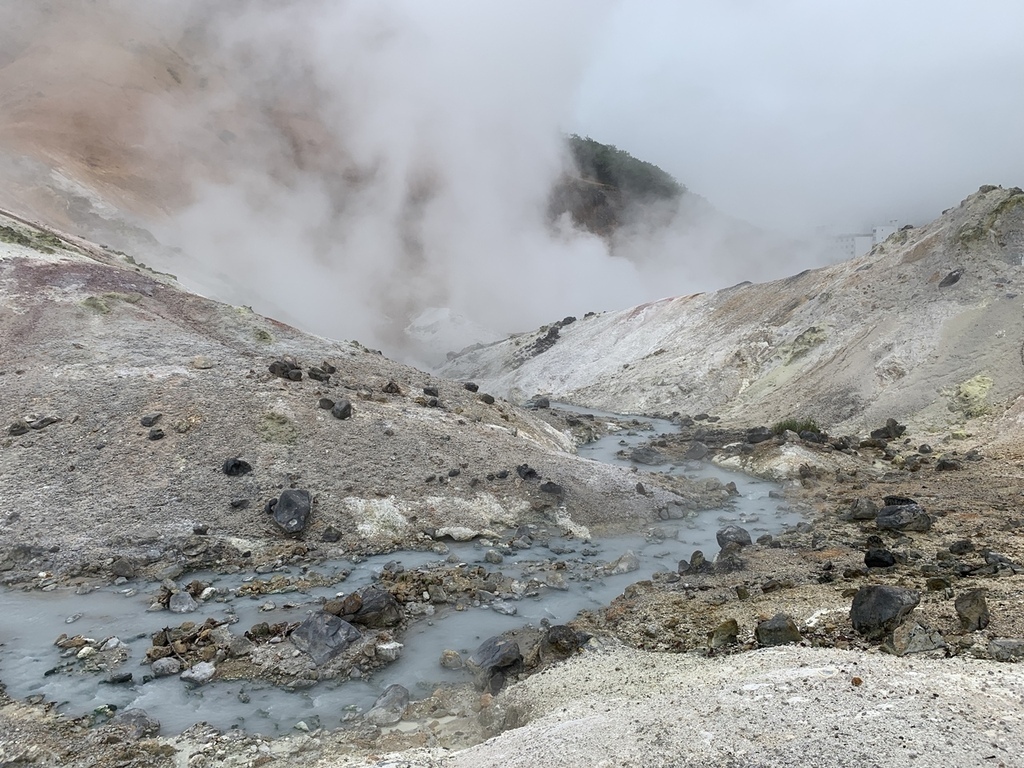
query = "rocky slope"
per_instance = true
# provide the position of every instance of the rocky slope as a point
(927, 328)
(124, 396)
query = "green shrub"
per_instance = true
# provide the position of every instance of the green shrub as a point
(796, 425)
(617, 168)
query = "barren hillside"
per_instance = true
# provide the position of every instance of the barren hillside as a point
(927, 327)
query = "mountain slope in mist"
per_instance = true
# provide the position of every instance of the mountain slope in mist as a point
(94, 342)
(341, 167)
(927, 327)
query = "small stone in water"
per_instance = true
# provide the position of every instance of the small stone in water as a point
(270, 605)
(389, 651)
(166, 666)
(182, 602)
(72, 619)
(200, 673)
(451, 659)
(507, 609)
(494, 557)
(86, 652)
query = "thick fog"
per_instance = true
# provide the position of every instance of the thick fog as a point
(799, 113)
(381, 169)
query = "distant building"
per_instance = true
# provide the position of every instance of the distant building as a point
(850, 245)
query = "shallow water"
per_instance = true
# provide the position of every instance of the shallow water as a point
(32, 621)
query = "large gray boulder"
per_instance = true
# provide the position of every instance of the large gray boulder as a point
(879, 609)
(324, 636)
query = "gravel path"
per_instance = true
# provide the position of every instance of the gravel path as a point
(773, 707)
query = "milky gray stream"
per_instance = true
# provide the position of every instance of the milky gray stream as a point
(33, 620)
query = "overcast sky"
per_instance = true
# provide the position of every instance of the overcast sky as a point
(799, 113)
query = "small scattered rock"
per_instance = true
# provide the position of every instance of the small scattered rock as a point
(903, 517)
(292, 510)
(150, 419)
(494, 660)
(863, 508)
(140, 724)
(879, 558)
(182, 602)
(913, 637)
(470, 386)
(389, 706)
(778, 630)
(626, 563)
(378, 609)
(724, 634)
(451, 659)
(234, 467)
(165, 667)
(733, 534)
(891, 431)
(1006, 649)
(961, 547)
(156, 434)
(342, 409)
(122, 567)
(972, 608)
(199, 674)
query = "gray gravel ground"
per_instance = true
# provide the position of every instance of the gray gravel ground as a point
(773, 707)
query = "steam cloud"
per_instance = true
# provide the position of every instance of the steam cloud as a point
(381, 170)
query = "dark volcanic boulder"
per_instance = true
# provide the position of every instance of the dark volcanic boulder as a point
(234, 467)
(560, 642)
(903, 517)
(759, 434)
(324, 636)
(877, 610)
(494, 660)
(342, 410)
(292, 510)
(879, 558)
(863, 508)
(378, 608)
(890, 431)
(733, 534)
